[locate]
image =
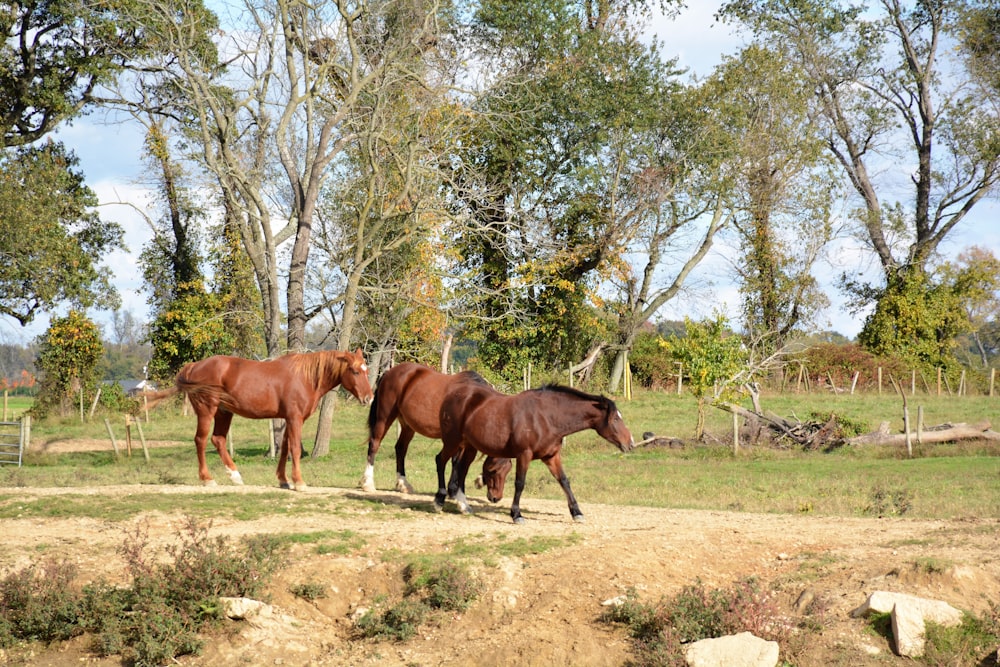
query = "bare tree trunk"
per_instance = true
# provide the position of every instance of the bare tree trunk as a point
(446, 353)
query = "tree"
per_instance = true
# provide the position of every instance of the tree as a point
(189, 328)
(975, 278)
(572, 87)
(269, 122)
(51, 239)
(68, 355)
(55, 56)
(784, 187)
(887, 95)
(978, 35)
(714, 361)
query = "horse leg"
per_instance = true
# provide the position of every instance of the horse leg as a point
(201, 440)
(441, 459)
(223, 420)
(454, 481)
(520, 475)
(555, 467)
(459, 469)
(282, 458)
(380, 419)
(442, 492)
(402, 446)
(292, 444)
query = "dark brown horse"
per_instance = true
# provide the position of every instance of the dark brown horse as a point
(524, 427)
(288, 388)
(412, 393)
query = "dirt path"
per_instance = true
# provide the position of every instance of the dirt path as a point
(542, 609)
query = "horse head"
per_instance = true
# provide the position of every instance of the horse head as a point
(354, 377)
(494, 475)
(613, 428)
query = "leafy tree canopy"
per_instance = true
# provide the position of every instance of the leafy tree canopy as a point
(68, 355)
(51, 239)
(54, 55)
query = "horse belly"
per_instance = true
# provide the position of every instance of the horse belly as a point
(490, 438)
(420, 406)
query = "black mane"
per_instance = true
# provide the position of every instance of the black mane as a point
(606, 403)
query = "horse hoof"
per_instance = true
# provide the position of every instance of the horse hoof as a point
(520, 521)
(236, 477)
(464, 509)
(301, 486)
(438, 508)
(402, 486)
(209, 482)
(368, 488)
(579, 518)
(285, 485)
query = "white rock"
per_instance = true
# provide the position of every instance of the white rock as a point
(742, 650)
(882, 602)
(909, 615)
(242, 608)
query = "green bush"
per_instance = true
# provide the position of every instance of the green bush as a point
(157, 618)
(113, 399)
(309, 591)
(38, 603)
(446, 586)
(660, 631)
(398, 622)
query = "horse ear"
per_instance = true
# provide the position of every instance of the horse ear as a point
(358, 353)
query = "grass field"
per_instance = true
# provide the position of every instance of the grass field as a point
(940, 481)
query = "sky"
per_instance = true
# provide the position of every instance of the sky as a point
(110, 149)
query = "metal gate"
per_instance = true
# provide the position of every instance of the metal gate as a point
(11, 442)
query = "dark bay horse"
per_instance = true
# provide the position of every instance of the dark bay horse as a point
(288, 388)
(524, 427)
(412, 393)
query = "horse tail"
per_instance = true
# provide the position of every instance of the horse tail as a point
(373, 411)
(154, 398)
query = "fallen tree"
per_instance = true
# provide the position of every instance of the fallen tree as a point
(758, 426)
(939, 433)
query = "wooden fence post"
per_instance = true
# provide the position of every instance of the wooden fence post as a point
(111, 434)
(736, 434)
(142, 438)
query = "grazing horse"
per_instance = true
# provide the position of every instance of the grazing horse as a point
(524, 427)
(288, 388)
(412, 393)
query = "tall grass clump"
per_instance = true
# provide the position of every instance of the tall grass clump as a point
(973, 642)
(159, 616)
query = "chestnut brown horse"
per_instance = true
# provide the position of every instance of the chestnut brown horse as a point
(524, 427)
(288, 388)
(412, 393)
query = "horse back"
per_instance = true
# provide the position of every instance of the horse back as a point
(253, 389)
(474, 412)
(412, 393)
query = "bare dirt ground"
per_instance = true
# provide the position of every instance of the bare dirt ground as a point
(541, 609)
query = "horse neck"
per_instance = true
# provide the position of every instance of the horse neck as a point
(330, 371)
(571, 414)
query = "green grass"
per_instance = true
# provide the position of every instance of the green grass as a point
(940, 481)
